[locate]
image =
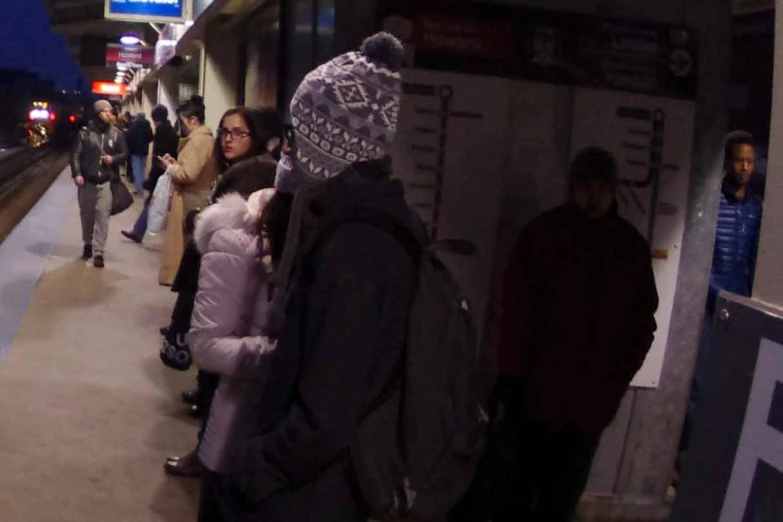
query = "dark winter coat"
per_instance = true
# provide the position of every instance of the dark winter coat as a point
(343, 335)
(96, 140)
(166, 141)
(139, 136)
(736, 244)
(577, 316)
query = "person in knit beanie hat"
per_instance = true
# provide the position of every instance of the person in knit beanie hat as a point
(344, 303)
(345, 112)
(99, 149)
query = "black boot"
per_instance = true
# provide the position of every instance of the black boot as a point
(87, 252)
(190, 397)
(186, 466)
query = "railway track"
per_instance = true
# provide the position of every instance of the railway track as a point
(25, 175)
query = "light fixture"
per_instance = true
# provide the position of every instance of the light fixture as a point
(122, 67)
(130, 39)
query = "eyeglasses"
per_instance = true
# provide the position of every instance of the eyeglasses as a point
(234, 133)
(290, 140)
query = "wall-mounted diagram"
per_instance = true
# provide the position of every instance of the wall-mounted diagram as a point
(430, 159)
(448, 153)
(642, 163)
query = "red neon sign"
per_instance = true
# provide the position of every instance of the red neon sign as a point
(109, 88)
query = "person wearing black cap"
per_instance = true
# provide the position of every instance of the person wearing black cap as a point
(578, 320)
(99, 148)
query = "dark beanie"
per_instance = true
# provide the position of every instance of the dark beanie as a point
(594, 164)
(160, 113)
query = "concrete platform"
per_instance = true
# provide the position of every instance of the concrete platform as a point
(89, 413)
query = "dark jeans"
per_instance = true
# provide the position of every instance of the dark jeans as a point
(530, 471)
(140, 227)
(217, 502)
(207, 386)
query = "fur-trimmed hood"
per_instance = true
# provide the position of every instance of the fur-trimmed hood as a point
(230, 213)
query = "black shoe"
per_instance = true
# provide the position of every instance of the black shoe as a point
(87, 252)
(130, 235)
(190, 397)
(98, 262)
(185, 466)
(196, 411)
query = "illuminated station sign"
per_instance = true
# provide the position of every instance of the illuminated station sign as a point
(130, 56)
(109, 88)
(163, 11)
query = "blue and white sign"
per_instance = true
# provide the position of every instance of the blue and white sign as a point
(165, 11)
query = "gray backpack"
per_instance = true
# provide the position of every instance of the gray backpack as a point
(419, 443)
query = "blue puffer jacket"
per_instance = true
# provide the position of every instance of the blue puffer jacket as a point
(736, 245)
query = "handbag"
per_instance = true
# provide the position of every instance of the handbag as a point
(121, 197)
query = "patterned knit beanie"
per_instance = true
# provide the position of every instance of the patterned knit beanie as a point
(346, 110)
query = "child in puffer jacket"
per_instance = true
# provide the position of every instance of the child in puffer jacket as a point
(226, 337)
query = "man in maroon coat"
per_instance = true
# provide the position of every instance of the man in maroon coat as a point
(578, 307)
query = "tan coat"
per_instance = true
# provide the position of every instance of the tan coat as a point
(192, 178)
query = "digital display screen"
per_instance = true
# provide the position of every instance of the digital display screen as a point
(146, 9)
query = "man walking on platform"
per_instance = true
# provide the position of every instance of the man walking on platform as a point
(98, 148)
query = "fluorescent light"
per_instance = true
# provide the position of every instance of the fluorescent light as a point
(122, 67)
(130, 39)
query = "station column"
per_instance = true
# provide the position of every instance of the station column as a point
(220, 73)
(168, 92)
(768, 285)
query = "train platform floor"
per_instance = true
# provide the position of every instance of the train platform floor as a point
(89, 411)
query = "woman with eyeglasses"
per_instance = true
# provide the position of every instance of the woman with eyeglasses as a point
(193, 175)
(246, 152)
(241, 243)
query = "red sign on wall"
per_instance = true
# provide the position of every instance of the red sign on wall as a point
(109, 88)
(454, 35)
(134, 56)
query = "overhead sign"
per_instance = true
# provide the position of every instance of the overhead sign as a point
(133, 56)
(109, 88)
(551, 47)
(752, 6)
(164, 11)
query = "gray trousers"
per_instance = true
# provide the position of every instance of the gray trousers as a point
(95, 207)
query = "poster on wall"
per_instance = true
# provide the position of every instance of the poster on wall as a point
(448, 152)
(160, 11)
(650, 138)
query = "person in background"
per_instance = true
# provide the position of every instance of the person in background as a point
(249, 140)
(734, 255)
(578, 320)
(193, 175)
(165, 142)
(99, 147)
(139, 136)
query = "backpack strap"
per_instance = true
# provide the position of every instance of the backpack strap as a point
(378, 219)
